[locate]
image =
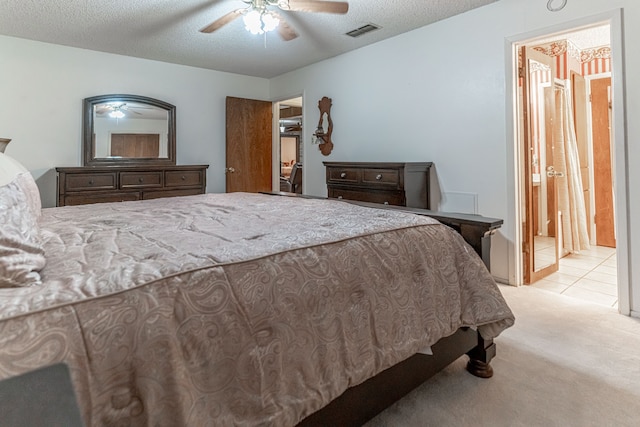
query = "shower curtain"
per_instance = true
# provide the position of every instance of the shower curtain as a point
(569, 187)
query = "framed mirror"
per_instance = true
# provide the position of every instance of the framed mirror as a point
(128, 130)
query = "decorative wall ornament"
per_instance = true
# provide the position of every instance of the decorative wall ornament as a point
(556, 48)
(322, 136)
(535, 67)
(560, 47)
(573, 51)
(595, 53)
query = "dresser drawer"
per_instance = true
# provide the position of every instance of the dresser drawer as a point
(170, 193)
(140, 179)
(91, 181)
(183, 178)
(381, 177)
(396, 198)
(343, 175)
(87, 198)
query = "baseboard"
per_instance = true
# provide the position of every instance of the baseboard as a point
(502, 281)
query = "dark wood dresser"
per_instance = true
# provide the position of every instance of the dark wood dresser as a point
(400, 184)
(100, 184)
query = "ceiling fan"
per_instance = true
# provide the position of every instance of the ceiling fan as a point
(117, 110)
(260, 16)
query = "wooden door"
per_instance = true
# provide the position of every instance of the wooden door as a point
(138, 145)
(249, 145)
(540, 245)
(602, 161)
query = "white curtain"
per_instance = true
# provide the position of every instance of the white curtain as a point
(569, 187)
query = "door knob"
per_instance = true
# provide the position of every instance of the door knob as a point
(229, 170)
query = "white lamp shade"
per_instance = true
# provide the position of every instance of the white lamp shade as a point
(259, 23)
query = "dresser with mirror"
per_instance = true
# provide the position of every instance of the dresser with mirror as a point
(129, 153)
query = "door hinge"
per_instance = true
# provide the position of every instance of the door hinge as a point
(590, 98)
(521, 72)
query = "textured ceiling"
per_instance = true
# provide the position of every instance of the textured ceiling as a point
(583, 39)
(168, 30)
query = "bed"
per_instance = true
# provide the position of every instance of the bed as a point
(233, 309)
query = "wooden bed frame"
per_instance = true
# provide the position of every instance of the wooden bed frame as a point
(361, 403)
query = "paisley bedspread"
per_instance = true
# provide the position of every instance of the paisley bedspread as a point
(237, 309)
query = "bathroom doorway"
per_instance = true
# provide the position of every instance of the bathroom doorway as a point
(563, 112)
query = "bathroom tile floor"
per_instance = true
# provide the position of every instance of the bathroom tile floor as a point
(590, 275)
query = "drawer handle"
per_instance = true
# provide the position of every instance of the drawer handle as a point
(183, 177)
(343, 175)
(141, 179)
(90, 182)
(379, 177)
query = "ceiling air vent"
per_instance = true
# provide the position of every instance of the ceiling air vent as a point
(362, 30)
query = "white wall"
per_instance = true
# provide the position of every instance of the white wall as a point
(42, 87)
(440, 94)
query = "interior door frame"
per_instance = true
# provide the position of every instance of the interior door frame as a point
(619, 143)
(276, 141)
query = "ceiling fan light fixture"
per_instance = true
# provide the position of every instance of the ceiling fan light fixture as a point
(257, 22)
(116, 114)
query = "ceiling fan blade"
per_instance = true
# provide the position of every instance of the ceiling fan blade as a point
(285, 31)
(319, 6)
(219, 23)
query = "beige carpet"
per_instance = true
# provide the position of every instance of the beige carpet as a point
(564, 363)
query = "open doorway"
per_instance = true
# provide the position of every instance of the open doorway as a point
(290, 157)
(564, 111)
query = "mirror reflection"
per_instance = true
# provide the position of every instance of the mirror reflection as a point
(128, 129)
(543, 191)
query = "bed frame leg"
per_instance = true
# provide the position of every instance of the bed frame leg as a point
(480, 356)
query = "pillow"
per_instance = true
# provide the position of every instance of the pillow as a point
(21, 253)
(9, 170)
